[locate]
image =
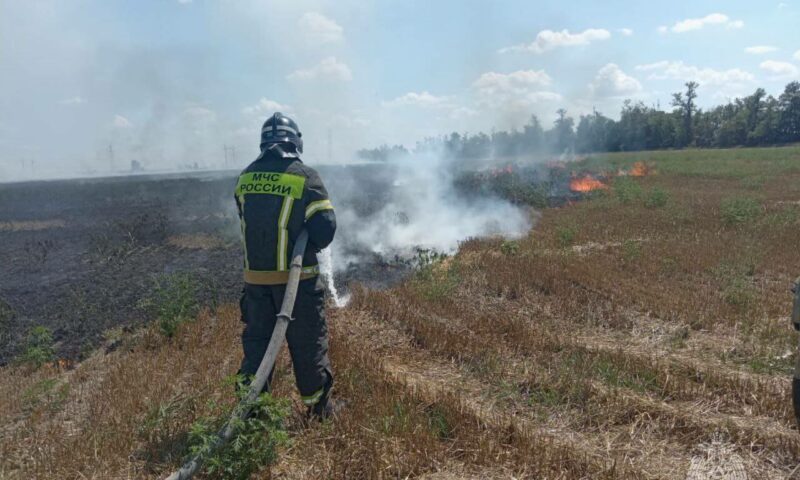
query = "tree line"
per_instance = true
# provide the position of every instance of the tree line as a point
(755, 120)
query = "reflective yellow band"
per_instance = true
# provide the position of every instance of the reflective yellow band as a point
(260, 277)
(311, 400)
(283, 234)
(243, 225)
(272, 183)
(315, 207)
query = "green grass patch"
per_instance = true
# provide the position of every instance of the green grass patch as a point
(740, 210)
(565, 235)
(173, 300)
(656, 198)
(627, 190)
(509, 247)
(736, 163)
(39, 347)
(434, 278)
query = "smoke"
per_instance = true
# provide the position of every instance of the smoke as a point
(419, 209)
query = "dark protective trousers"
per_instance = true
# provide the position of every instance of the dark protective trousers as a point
(307, 335)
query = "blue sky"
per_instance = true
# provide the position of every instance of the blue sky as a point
(169, 82)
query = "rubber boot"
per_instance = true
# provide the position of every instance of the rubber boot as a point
(327, 407)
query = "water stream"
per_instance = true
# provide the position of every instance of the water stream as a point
(326, 268)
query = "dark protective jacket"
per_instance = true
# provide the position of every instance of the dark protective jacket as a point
(276, 196)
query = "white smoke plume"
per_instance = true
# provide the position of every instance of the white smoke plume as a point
(423, 210)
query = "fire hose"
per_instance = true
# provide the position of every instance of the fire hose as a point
(796, 376)
(242, 410)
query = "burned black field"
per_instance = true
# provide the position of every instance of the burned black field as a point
(82, 257)
(79, 257)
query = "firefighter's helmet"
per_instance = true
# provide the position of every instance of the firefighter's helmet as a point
(280, 129)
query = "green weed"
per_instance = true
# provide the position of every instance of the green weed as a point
(435, 279)
(256, 443)
(509, 247)
(173, 300)
(566, 235)
(38, 347)
(627, 190)
(656, 198)
(740, 210)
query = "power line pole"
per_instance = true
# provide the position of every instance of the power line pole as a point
(230, 155)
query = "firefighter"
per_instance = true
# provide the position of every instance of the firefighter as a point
(277, 195)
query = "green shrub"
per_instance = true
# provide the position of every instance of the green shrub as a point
(255, 445)
(434, 279)
(509, 247)
(173, 301)
(566, 235)
(627, 190)
(656, 198)
(740, 210)
(38, 347)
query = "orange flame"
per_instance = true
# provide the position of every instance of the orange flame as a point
(585, 184)
(639, 169)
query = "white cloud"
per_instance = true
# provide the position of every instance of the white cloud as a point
(547, 40)
(780, 69)
(444, 106)
(627, 32)
(797, 55)
(516, 93)
(327, 69)
(424, 100)
(184, 2)
(760, 49)
(663, 29)
(611, 81)
(665, 70)
(72, 101)
(691, 24)
(318, 29)
(121, 122)
(266, 107)
(519, 81)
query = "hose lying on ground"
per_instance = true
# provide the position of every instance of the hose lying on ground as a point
(242, 410)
